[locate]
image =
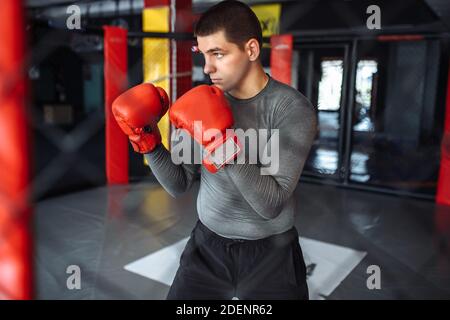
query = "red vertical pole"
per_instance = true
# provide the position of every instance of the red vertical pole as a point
(15, 212)
(116, 69)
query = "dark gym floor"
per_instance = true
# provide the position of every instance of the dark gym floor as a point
(104, 229)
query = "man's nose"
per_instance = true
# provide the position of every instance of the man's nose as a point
(209, 68)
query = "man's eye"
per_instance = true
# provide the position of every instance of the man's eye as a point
(218, 55)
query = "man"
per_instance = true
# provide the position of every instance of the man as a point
(245, 244)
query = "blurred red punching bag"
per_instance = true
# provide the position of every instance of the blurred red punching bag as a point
(15, 240)
(443, 186)
(281, 57)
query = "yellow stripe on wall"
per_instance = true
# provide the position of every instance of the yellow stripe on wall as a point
(269, 17)
(156, 57)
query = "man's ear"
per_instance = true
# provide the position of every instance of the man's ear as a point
(252, 48)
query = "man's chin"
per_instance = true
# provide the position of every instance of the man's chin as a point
(219, 85)
(222, 87)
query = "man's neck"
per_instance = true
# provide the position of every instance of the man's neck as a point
(252, 84)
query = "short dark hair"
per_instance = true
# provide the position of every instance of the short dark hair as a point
(235, 18)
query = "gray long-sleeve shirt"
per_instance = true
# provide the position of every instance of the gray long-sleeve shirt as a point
(240, 201)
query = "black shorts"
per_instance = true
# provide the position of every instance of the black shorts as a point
(213, 267)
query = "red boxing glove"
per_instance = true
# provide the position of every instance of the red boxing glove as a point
(204, 112)
(137, 111)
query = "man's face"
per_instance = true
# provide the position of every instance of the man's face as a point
(225, 63)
